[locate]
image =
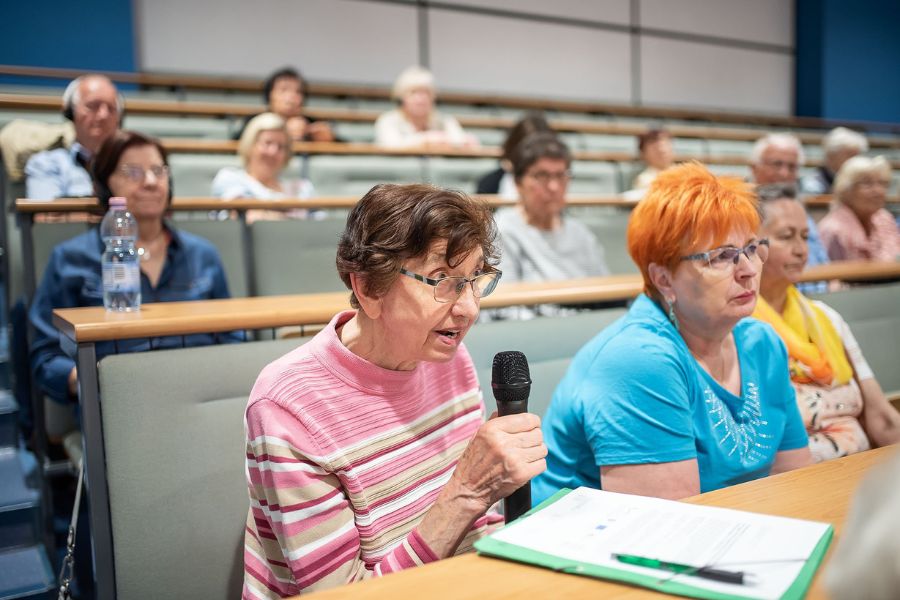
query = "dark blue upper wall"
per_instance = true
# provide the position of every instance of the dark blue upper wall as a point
(87, 34)
(848, 59)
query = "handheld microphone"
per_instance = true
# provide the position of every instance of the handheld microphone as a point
(511, 384)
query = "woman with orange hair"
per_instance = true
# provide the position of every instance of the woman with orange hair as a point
(683, 394)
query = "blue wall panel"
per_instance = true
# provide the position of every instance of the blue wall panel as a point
(81, 34)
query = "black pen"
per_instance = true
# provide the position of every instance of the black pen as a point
(735, 577)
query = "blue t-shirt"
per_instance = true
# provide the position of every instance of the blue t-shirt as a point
(635, 395)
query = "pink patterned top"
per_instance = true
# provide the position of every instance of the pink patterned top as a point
(343, 460)
(845, 238)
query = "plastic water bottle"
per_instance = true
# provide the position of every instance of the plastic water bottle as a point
(120, 261)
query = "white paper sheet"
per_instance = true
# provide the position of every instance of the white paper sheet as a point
(588, 526)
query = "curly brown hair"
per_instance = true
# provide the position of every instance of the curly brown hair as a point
(393, 223)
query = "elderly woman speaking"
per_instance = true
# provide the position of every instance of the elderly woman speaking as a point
(366, 447)
(683, 394)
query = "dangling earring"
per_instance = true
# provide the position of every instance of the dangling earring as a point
(671, 313)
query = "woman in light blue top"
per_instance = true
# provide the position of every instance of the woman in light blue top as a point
(265, 151)
(684, 394)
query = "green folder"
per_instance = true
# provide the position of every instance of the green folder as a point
(489, 546)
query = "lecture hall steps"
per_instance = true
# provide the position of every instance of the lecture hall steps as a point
(25, 571)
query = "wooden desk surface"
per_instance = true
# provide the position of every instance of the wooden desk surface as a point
(93, 324)
(821, 493)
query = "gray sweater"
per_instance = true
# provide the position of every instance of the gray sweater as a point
(530, 254)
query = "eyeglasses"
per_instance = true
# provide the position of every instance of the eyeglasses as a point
(138, 174)
(545, 177)
(448, 289)
(781, 164)
(726, 258)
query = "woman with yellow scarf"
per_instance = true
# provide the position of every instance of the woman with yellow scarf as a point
(843, 407)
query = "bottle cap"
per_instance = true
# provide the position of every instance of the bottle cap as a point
(117, 201)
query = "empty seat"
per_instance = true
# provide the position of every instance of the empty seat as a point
(595, 178)
(355, 175)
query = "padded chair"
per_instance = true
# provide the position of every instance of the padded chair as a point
(175, 466)
(296, 256)
(873, 316)
(611, 230)
(226, 236)
(193, 174)
(547, 362)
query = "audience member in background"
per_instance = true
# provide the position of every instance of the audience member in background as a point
(864, 565)
(501, 181)
(777, 158)
(538, 242)
(858, 226)
(283, 93)
(265, 151)
(416, 122)
(843, 407)
(175, 265)
(95, 107)
(839, 145)
(655, 147)
(389, 379)
(684, 394)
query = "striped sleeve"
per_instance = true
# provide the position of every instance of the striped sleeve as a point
(301, 533)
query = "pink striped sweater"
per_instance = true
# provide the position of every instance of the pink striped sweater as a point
(343, 460)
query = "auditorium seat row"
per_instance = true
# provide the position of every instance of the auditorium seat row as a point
(189, 422)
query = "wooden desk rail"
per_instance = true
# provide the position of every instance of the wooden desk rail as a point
(223, 110)
(181, 204)
(243, 84)
(95, 324)
(199, 146)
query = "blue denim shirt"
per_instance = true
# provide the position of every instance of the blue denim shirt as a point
(192, 271)
(817, 255)
(57, 174)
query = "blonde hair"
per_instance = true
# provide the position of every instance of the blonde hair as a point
(856, 168)
(411, 78)
(267, 121)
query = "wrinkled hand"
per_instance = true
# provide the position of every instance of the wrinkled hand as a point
(505, 453)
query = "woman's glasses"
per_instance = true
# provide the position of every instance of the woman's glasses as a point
(138, 174)
(727, 257)
(448, 289)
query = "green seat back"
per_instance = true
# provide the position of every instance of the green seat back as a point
(175, 466)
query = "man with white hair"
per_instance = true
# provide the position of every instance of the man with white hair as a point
(840, 144)
(777, 158)
(94, 105)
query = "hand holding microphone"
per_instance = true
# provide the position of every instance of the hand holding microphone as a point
(506, 452)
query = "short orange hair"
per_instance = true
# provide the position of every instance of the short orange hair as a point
(687, 206)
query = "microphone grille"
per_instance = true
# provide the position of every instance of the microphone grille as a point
(511, 379)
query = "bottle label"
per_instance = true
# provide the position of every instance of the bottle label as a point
(121, 277)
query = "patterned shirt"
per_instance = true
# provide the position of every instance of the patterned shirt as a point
(846, 239)
(635, 395)
(344, 458)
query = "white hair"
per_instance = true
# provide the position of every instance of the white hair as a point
(841, 138)
(858, 167)
(72, 95)
(410, 79)
(782, 140)
(267, 121)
